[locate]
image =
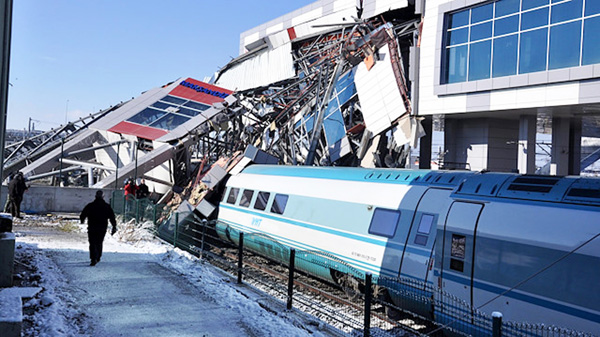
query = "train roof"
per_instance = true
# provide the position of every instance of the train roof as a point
(466, 184)
(448, 179)
(574, 190)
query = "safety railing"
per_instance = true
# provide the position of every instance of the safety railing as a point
(371, 306)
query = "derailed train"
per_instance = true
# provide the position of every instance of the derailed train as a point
(526, 246)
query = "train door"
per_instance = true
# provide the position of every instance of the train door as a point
(456, 273)
(418, 251)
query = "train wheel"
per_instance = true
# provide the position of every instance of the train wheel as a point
(386, 300)
(348, 283)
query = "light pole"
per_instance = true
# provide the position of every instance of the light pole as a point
(5, 33)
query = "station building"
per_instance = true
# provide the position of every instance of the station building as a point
(491, 68)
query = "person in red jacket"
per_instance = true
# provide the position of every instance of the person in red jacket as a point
(130, 191)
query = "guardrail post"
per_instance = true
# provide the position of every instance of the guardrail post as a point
(367, 324)
(496, 324)
(292, 266)
(240, 258)
(154, 215)
(204, 223)
(176, 227)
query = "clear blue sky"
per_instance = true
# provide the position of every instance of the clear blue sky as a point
(74, 57)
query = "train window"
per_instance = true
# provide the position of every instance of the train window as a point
(458, 246)
(424, 229)
(457, 265)
(458, 251)
(261, 201)
(233, 193)
(246, 197)
(425, 224)
(384, 222)
(279, 203)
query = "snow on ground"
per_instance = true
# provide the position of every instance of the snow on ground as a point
(56, 311)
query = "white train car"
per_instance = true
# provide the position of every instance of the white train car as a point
(525, 246)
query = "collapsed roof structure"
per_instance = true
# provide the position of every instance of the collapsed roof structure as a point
(329, 86)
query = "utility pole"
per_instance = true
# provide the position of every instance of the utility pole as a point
(5, 33)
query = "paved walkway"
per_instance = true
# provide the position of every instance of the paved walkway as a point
(130, 293)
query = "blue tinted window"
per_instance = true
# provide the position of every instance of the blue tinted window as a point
(174, 100)
(188, 112)
(246, 198)
(567, 11)
(456, 64)
(534, 19)
(532, 51)
(592, 7)
(506, 25)
(425, 224)
(565, 42)
(458, 19)
(147, 116)
(482, 13)
(458, 36)
(261, 201)
(196, 105)
(505, 7)
(163, 106)
(233, 193)
(169, 121)
(591, 41)
(528, 4)
(481, 31)
(384, 222)
(479, 60)
(279, 203)
(505, 56)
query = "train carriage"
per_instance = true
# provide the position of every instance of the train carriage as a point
(522, 245)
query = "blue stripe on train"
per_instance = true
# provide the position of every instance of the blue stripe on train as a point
(522, 297)
(379, 242)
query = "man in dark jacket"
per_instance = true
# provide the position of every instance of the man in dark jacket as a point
(98, 213)
(16, 188)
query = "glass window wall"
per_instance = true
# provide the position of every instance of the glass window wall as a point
(510, 37)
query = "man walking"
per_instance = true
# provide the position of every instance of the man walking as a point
(98, 213)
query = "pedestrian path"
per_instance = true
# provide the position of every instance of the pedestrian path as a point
(130, 295)
(132, 292)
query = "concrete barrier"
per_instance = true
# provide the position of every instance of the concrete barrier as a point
(7, 259)
(48, 199)
(11, 315)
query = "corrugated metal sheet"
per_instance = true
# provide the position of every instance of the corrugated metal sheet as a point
(380, 99)
(265, 68)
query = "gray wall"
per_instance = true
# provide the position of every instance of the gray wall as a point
(48, 199)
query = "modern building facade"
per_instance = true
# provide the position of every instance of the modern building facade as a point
(492, 67)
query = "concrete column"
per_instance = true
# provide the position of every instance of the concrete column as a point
(450, 135)
(559, 163)
(575, 146)
(526, 150)
(425, 143)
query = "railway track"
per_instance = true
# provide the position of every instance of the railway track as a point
(321, 298)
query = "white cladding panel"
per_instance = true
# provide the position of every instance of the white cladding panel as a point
(263, 69)
(380, 99)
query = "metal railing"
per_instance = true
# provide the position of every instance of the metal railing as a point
(375, 306)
